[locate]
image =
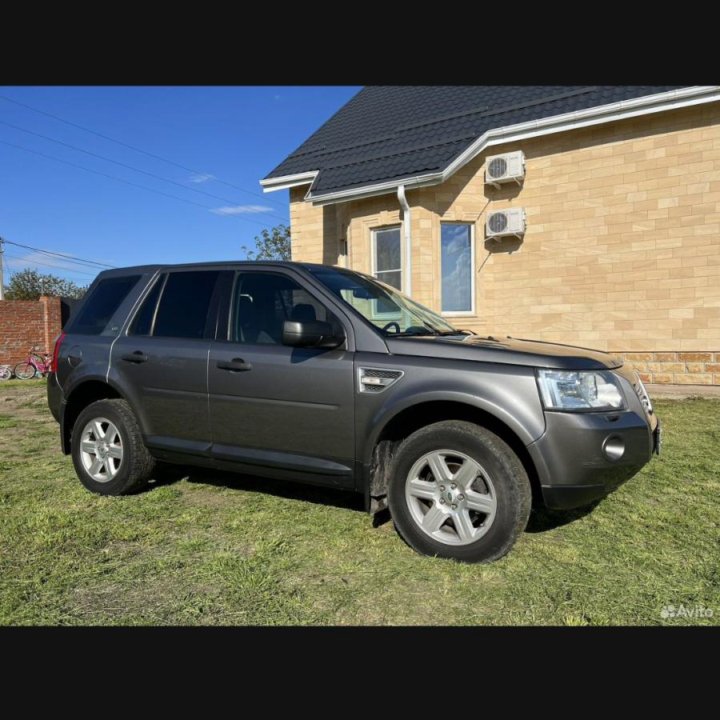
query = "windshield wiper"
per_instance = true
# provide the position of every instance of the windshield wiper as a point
(414, 333)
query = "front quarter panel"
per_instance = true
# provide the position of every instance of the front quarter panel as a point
(509, 393)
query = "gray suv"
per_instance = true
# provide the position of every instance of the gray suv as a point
(328, 376)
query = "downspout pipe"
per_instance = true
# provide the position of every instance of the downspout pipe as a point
(408, 242)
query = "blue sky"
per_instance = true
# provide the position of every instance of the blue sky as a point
(230, 134)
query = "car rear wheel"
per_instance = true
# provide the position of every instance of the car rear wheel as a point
(458, 491)
(108, 451)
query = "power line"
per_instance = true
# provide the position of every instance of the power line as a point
(122, 180)
(130, 147)
(64, 256)
(69, 271)
(128, 167)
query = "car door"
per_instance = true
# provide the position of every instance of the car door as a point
(286, 409)
(160, 361)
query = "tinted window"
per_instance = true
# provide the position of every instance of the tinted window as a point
(142, 323)
(263, 301)
(184, 304)
(100, 305)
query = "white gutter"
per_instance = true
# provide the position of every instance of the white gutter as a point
(288, 181)
(408, 244)
(622, 110)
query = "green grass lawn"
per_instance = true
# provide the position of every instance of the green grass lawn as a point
(210, 548)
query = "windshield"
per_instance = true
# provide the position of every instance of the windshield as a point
(385, 307)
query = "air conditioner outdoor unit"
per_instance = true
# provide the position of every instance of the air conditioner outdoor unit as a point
(505, 222)
(508, 167)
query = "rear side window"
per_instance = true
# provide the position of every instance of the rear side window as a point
(184, 304)
(100, 305)
(142, 323)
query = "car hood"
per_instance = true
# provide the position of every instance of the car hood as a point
(508, 351)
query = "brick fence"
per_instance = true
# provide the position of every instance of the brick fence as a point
(27, 323)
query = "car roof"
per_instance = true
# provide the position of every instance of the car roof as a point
(211, 264)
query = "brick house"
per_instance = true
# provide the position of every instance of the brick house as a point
(613, 197)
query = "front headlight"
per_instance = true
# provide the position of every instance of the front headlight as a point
(569, 390)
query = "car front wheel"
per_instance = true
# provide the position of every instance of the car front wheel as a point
(108, 451)
(458, 491)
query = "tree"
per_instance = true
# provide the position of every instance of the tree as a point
(271, 244)
(29, 284)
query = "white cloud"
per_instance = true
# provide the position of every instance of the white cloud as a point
(241, 210)
(201, 178)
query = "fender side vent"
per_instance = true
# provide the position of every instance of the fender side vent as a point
(375, 380)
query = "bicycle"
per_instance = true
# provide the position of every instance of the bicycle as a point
(6, 372)
(34, 365)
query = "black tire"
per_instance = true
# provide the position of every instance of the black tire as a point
(25, 371)
(136, 465)
(510, 481)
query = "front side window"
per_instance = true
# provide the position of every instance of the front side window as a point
(456, 263)
(262, 302)
(101, 304)
(184, 304)
(387, 256)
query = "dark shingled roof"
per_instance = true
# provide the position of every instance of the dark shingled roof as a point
(387, 133)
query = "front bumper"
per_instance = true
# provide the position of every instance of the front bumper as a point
(582, 457)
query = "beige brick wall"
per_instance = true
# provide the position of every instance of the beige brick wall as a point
(622, 250)
(316, 231)
(679, 368)
(306, 228)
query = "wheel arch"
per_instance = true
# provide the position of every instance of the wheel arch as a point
(84, 393)
(411, 417)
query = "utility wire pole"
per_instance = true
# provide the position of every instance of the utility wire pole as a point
(2, 270)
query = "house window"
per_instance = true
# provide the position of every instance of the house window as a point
(387, 256)
(457, 263)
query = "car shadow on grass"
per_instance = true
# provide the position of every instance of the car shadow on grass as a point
(169, 474)
(542, 519)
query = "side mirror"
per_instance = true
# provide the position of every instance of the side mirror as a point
(310, 333)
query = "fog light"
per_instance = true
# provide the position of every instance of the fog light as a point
(614, 447)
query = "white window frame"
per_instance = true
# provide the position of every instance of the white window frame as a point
(401, 269)
(460, 313)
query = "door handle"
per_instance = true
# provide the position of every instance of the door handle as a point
(135, 357)
(234, 365)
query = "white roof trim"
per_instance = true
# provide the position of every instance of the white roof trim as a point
(288, 181)
(645, 105)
